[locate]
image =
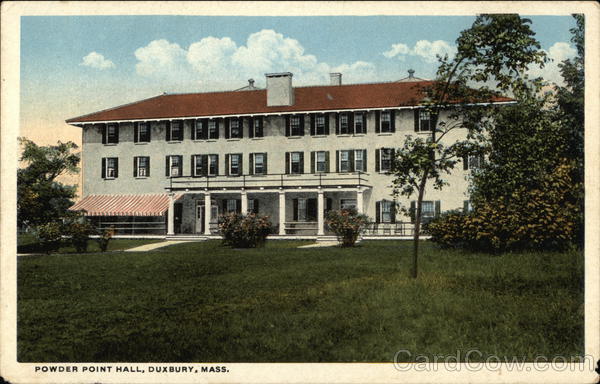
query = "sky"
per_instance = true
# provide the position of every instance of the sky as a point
(73, 65)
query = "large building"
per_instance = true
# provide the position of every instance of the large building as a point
(171, 164)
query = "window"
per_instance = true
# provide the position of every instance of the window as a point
(359, 161)
(348, 204)
(321, 161)
(141, 132)
(213, 129)
(386, 211)
(467, 206)
(257, 127)
(386, 159)
(110, 168)
(296, 162)
(344, 124)
(199, 130)
(111, 134)
(213, 165)
(428, 209)
(295, 126)
(175, 130)
(424, 121)
(141, 166)
(231, 205)
(473, 162)
(235, 128)
(344, 161)
(235, 164)
(174, 166)
(251, 206)
(199, 164)
(320, 125)
(359, 123)
(301, 209)
(386, 121)
(260, 165)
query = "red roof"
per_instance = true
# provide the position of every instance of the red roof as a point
(317, 98)
(124, 205)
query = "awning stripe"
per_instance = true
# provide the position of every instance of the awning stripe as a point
(124, 205)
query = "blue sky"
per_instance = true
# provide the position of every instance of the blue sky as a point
(72, 65)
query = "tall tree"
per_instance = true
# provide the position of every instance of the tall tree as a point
(494, 54)
(40, 198)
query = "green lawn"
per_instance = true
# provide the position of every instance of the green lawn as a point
(27, 243)
(203, 302)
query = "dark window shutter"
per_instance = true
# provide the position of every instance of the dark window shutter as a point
(337, 123)
(135, 162)
(312, 124)
(365, 162)
(327, 116)
(377, 120)
(351, 123)
(465, 162)
(438, 207)
(116, 167)
(393, 212)
(416, 120)
(255, 210)
(104, 167)
(378, 212)
(311, 209)
(241, 165)
(287, 162)
(227, 165)
(433, 123)
(103, 128)
(241, 125)
(329, 204)
(180, 165)
(295, 209)
(238, 205)
(265, 162)
(227, 128)
(302, 127)
(168, 130)
(377, 159)
(413, 211)
(465, 206)
(251, 164)
(312, 161)
(393, 121)
(251, 127)
(351, 161)
(204, 132)
(148, 166)
(218, 128)
(327, 166)
(117, 133)
(167, 166)
(193, 165)
(365, 125)
(301, 162)
(224, 202)
(204, 165)
(194, 124)
(217, 167)
(260, 126)
(287, 125)
(136, 129)
(393, 157)
(337, 160)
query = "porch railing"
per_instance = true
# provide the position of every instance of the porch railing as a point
(269, 180)
(389, 229)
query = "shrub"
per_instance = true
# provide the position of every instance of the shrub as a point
(347, 224)
(105, 237)
(244, 231)
(80, 232)
(49, 236)
(544, 218)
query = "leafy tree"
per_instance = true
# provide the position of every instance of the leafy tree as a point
(495, 53)
(40, 198)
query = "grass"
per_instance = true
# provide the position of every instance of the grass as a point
(203, 302)
(27, 243)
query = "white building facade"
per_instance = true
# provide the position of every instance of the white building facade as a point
(172, 164)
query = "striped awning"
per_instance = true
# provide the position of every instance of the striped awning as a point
(124, 205)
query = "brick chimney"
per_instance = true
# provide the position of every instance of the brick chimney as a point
(279, 89)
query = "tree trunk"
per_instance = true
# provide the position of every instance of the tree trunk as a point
(417, 229)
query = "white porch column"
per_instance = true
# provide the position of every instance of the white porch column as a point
(281, 212)
(244, 202)
(359, 200)
(207, 212)
(320, 214)
(171, 215)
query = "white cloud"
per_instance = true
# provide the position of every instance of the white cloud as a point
(221, 63)
(97, 60)
(425, 49)
(557, 53)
